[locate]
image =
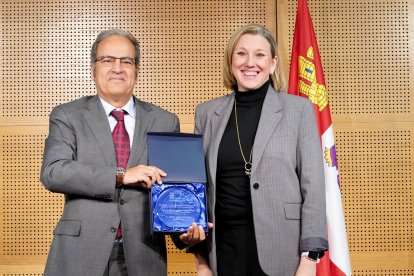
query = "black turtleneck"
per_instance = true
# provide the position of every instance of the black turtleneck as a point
(233, 200)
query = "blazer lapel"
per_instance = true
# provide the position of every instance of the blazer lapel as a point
(143, 123)
(269, 119)
(97, 121)
(219, 122)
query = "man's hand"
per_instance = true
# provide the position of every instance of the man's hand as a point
(143, 176)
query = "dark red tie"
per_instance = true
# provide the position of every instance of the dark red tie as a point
(121, 139)
(121, 144)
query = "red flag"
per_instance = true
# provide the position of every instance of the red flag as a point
(307, 80)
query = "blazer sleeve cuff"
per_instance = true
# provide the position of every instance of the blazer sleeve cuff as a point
(313, 244)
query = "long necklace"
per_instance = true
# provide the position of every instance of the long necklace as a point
(247, 163)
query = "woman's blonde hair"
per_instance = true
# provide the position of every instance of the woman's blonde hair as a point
(278, 77)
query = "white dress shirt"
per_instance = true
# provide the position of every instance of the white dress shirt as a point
(129, 118)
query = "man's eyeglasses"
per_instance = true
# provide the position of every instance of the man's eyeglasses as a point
(109, 61)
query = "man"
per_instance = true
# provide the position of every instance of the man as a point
(97, 158)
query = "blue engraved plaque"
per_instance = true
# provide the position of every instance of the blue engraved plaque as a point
(176, 206)
(181, 199)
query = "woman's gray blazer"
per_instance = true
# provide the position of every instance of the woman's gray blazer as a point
(287, 179)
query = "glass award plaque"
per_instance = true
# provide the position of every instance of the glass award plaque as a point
(181, 199)
(176, 206)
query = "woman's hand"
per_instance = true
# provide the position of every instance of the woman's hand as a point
(306, 267)
(195, 234)
(202, 266)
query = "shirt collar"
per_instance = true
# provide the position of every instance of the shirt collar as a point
(129, 107)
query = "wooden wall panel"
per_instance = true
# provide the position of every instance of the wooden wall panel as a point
(44, 55)
(46, 47)
(367, 50)
(28, 210)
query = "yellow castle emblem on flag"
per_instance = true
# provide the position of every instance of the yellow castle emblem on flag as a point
(316, 92)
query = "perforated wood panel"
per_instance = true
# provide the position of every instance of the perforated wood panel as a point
(20, 274)
(179, 263)
(45, 47)
(377, 189)
(384, 272)
(29, 212)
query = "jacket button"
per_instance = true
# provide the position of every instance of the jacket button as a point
(122, 202)
(113, 229)
(256, 186)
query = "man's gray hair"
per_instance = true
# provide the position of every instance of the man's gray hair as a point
(116, 32)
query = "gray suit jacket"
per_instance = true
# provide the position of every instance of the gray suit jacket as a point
(289, 197)
(79, 161)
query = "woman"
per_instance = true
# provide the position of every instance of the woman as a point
(265, 170)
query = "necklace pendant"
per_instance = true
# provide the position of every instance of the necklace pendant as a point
(248, 168)
(247, 173)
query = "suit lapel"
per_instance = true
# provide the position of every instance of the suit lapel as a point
(143, 124)
(269, 119)
(219, 122)
(97, 121)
